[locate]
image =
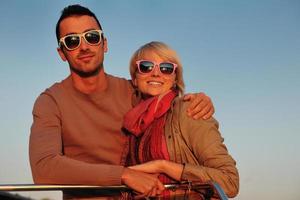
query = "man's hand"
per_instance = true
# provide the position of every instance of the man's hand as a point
(146, 184)
(201, 106)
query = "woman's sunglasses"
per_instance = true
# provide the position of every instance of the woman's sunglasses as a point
(73, 41)
(146, 66)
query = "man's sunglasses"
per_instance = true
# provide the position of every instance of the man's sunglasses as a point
(146, 66)
(73, 41)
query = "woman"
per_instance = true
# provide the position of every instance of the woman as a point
(162, 136)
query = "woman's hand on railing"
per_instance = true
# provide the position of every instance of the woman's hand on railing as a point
(145, 184)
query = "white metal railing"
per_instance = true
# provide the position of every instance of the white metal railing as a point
(207, 190)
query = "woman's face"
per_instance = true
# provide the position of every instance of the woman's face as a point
(154, 82)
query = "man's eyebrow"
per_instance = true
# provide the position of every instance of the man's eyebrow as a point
(90, 29)
(73, 33)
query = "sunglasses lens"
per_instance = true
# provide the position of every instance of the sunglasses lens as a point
(72, 41)
(167, 68)
(146, 66)
(92, 37)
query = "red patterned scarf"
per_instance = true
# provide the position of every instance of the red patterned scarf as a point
(146, 123)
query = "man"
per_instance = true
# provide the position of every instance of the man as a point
(76, 134)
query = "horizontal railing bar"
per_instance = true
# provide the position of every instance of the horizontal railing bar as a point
(35, 187)
(122, 188)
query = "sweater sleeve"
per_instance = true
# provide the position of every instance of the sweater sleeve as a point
(204, 139)
(48, 163)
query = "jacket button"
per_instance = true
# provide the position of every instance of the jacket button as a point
(169, 136)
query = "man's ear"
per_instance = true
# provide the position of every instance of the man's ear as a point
(61, 54)
(105, 48)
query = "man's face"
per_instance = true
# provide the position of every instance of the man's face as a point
(85, 58)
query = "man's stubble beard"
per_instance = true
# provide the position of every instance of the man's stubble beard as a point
(84, 74)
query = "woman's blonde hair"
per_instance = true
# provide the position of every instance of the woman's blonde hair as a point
(165, 53)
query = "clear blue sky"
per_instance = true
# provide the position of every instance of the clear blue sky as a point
(244, 54)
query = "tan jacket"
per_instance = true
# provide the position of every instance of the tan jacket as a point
(199, 144)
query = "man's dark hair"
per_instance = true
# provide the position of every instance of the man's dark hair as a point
(72, 10)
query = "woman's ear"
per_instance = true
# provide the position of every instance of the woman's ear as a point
(134, 82)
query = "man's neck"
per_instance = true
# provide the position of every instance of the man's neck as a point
(91, 84)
